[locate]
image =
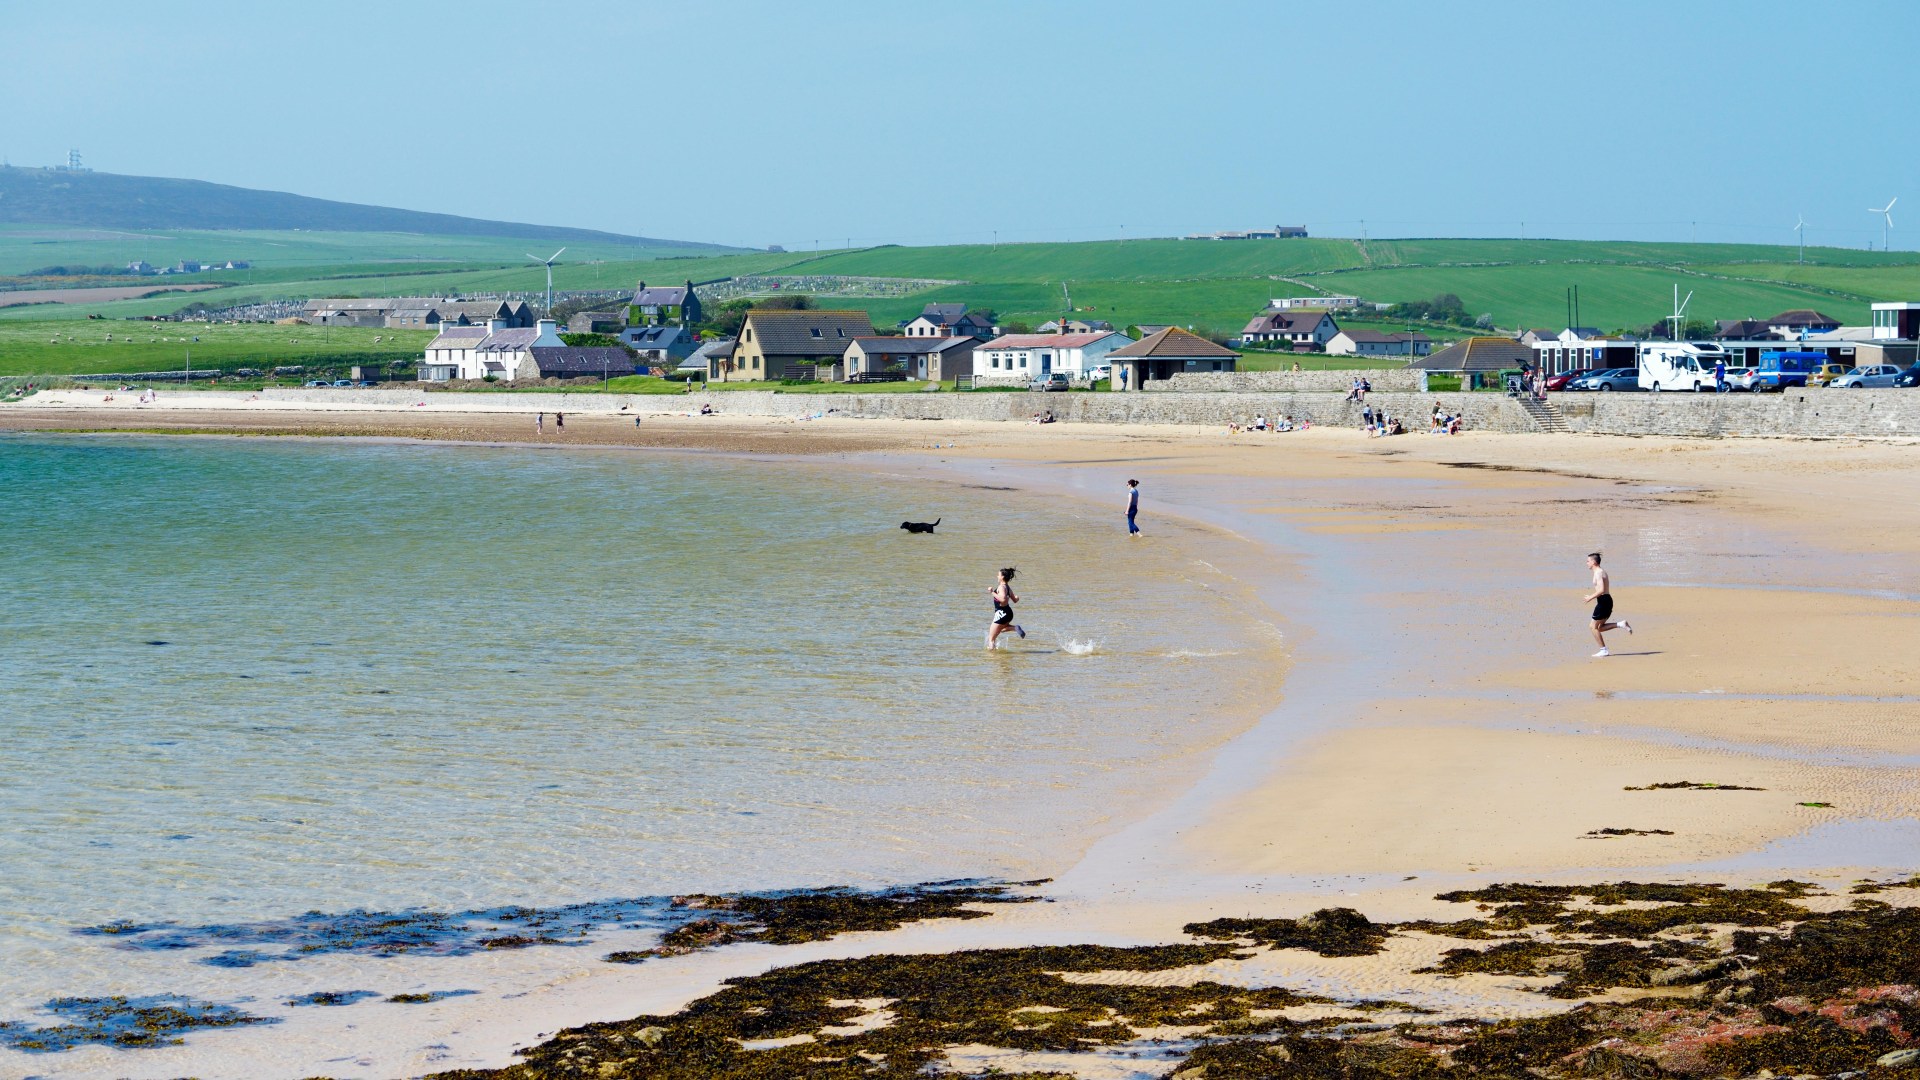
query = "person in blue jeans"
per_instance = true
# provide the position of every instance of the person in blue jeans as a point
(1133, 506)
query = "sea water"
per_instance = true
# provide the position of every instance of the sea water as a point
(246, 679)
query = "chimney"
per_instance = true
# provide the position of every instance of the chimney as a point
(495, 325)
(547, 336)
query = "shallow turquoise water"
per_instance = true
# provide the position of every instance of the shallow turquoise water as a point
(245, 679)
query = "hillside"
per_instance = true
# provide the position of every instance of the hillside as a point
(112, 201)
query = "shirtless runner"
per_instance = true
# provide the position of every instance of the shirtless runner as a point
(1602, 597)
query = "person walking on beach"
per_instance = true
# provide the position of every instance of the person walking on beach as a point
(559, 422)
(1602, 598)
(539, 423)
(1003, 601)
(1133, 506)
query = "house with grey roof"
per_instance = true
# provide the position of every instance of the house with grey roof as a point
(925, 359)
(708, 356)
(576, 362)
(1298, 328)
(1357, 342)
(659, 343)
(499, 351)
(948, 320)
(1476, 358)
(771, 341)
(657, 305)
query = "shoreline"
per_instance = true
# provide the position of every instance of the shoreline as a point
(1350, 509)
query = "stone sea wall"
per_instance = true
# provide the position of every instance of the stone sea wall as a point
(1245, 382)
(1808, 413)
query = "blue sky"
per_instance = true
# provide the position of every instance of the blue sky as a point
(904, 122)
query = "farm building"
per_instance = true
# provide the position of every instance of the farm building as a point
(771, 341)
(1168, 353)
(1375, 343)
(928, 359)
(1029, 356)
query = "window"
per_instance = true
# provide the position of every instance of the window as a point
(749, 333)
(816, 331)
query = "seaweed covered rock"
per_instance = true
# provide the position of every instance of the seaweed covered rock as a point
(1329, 932)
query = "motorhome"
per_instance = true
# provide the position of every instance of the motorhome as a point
(1679, 366)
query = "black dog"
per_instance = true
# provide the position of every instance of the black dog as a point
(919, 526)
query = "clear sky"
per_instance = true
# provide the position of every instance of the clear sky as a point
(898, 121)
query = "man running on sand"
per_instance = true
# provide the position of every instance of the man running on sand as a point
(1602, 597)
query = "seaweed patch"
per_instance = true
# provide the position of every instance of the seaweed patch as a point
(1690, 785)
(124, 1022)
(779, 917)
(425, 996)
(332, 997)
(1329, 932)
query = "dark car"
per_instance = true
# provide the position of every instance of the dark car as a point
(1909, 377)
(1620, 378)
(1560, 381)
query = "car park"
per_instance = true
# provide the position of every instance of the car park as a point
(1867, 375)
(1608, 379)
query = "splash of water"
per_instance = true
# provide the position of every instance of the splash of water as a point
(1078, 647)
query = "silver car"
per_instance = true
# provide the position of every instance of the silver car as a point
(1620, 378)
(1870, 375)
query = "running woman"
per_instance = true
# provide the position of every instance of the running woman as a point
(1003, 601)
(1602, 597)
(1133, 506)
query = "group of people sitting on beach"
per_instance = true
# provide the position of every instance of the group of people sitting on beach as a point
(1042, 417)
(1376, 422)
(1284, 423)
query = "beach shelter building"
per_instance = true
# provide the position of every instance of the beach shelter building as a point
(1163, 355)
(1476, 358)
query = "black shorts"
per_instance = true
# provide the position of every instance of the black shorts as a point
(1603, 607)
(1002, 616)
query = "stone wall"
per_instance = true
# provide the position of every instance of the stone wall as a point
(1808, 413)
(1246, 382)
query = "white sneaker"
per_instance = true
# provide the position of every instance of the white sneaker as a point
(1603, 652)
(1627, 626)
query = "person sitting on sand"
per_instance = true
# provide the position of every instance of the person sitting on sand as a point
(1047, 417)
(1453, 425)
(1260, 422)
(706, 409)
(1286, 423)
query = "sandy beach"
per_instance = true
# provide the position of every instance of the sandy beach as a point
(1442, 725)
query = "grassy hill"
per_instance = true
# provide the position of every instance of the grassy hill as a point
(1207, 284)
(112, 201)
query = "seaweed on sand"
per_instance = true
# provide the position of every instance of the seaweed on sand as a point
(1517, 907)
(814, 915)
(127, 1023)
(1835, 993)
(1015, 999)
(1329, 932)
(331, 997)
(1692, 785)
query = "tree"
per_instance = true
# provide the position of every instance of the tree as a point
(1017, 326)
(1484, 322)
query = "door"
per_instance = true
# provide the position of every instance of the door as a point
(1046, 364)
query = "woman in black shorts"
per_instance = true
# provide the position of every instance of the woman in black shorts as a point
(1003, 601)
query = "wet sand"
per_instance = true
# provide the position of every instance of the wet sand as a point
(1443, 725)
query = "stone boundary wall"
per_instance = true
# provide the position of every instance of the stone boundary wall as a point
(1805, 413)
(1254, 382)
(1810, 413)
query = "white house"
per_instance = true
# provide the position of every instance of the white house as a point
(1291, 303)
(472, 352)
(1029, 356)
(1297, 327)
(1375, 343)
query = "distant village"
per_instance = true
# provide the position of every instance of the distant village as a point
(656, 329)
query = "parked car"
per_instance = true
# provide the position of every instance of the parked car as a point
(1868, 375)
(341, 382)
(1824, 374)
(1057, 380)
(1104, 371)
(1560, 381)
(315, 382)
(1620, 378)
(1740, 378)
(1909, 377)
(366, 382)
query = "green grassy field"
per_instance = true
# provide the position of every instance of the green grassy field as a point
(67, 347)
(1207, 285)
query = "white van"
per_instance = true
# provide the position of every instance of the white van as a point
(1680, 366)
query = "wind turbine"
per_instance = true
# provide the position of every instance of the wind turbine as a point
(1679, 311)
(548, 263)
(1799, 232)
(1887, 213)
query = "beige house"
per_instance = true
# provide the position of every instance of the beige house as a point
(924, 359)
(772, 341)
